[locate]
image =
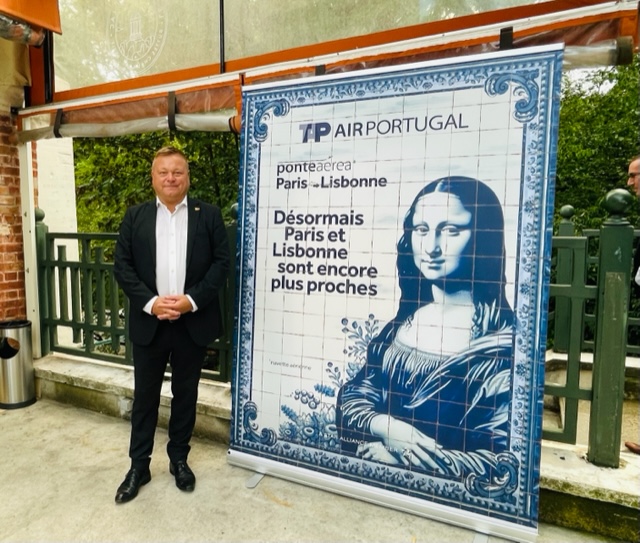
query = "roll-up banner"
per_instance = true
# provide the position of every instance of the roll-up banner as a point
(394, 255)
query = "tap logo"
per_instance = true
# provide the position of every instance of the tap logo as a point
(314, 131)
(394, 126)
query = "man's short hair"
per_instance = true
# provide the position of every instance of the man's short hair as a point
(169, 150)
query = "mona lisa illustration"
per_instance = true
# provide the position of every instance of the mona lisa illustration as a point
(434, 393)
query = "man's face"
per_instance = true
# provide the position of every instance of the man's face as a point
(634, 176)
(170, 179)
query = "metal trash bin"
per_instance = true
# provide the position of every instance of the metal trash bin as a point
(17, 386)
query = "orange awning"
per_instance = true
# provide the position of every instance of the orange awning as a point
(40, 13)
(611, 28)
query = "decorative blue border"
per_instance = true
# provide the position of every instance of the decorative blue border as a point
(533, 79)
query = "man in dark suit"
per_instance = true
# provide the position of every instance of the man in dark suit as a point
(171, 259)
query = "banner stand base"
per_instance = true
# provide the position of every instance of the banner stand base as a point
(385, 498)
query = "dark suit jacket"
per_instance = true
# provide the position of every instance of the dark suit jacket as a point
(635, 288)
(206, 273)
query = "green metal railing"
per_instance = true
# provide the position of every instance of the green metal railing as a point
(84, 312)
(570, 293)
(588, 262)
(589, 301)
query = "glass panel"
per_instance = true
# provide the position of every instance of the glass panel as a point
(254, 27)
(111, 40)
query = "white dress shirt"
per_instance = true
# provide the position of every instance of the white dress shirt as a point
(171, 251)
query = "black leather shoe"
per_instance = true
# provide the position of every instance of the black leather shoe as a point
(132, 482)
(185, 479)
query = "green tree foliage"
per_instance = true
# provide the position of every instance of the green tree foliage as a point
(599, 133)
(113, 174)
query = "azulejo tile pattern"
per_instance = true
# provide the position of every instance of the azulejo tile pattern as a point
(395, 231)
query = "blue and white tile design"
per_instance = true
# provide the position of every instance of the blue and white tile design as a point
(422, 393)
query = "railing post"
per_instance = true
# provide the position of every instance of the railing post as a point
(41, 254)
(564, 275)
(616, 245)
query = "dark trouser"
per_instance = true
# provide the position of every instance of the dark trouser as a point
(171, 344)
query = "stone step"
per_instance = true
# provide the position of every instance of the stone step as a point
(108, 388)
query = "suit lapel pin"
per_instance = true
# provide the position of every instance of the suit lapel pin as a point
(196, 209)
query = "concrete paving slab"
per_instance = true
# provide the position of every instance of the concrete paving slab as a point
(60, 466)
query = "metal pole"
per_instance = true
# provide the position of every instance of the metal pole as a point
(222, 56)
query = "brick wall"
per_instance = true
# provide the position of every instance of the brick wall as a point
(12, 289)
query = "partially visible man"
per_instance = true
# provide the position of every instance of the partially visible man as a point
(634, 175)
(634, 181)
(171, 259)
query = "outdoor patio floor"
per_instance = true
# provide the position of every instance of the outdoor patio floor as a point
(60, 466)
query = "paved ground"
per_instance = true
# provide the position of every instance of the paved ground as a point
(60, 467)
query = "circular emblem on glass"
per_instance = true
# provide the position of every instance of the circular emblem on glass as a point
(138, 35)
